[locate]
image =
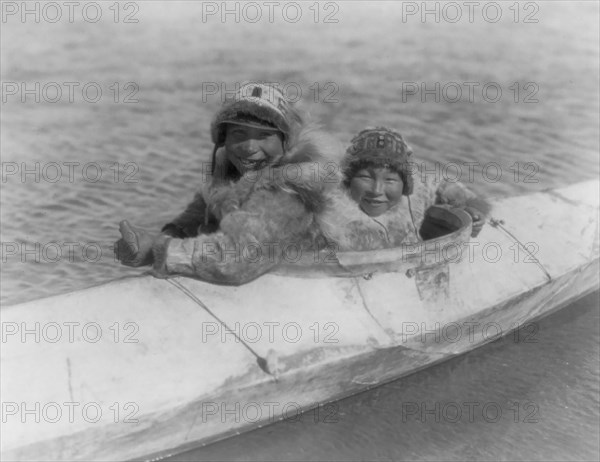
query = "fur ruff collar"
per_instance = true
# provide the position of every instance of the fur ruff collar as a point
(308, 169)
(344, 223)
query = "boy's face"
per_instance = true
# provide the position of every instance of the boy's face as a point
(252, 148)
(376, 189)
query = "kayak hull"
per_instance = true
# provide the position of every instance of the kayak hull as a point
(184, 381)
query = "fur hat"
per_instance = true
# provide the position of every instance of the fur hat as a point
(380, 147)
(257, 104)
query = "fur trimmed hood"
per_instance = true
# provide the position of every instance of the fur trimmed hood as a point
(343, 222)
(309, 169)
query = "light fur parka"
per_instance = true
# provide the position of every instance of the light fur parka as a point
(259, 216)
(345, 225)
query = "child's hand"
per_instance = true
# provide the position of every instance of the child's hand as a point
(478, 220)
(135, 246)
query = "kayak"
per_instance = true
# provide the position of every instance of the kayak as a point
(144, 368)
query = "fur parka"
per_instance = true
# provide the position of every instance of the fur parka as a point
(344, 225)
(258, 216)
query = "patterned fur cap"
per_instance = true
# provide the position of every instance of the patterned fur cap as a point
(260, 104)
(380, 147)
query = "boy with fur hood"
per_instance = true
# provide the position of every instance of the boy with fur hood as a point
(383, 203)
(269, 183)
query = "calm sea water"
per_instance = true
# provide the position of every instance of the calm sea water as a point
(137, 153)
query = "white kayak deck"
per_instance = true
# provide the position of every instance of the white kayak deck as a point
(323, 338)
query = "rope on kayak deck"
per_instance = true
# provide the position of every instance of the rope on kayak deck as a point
(500, 224)
(262, 362)
(365, 306)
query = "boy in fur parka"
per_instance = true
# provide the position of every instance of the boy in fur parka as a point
(384, 200)
(269, 183)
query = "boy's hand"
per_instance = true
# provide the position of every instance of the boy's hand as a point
(478, 220)
(135, 246)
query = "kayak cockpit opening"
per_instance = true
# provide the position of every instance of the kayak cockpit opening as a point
(444, 231)
(441, 221)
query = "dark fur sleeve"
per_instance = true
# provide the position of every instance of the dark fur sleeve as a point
(191, 221)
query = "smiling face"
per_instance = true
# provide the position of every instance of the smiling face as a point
(252, 147)
(376, 189)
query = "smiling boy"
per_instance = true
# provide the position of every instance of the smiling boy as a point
(384, 202)
(251, 203)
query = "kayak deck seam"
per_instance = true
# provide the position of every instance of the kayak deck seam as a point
(500, 225)
(366, 307)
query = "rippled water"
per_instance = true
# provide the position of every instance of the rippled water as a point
(367, 58)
